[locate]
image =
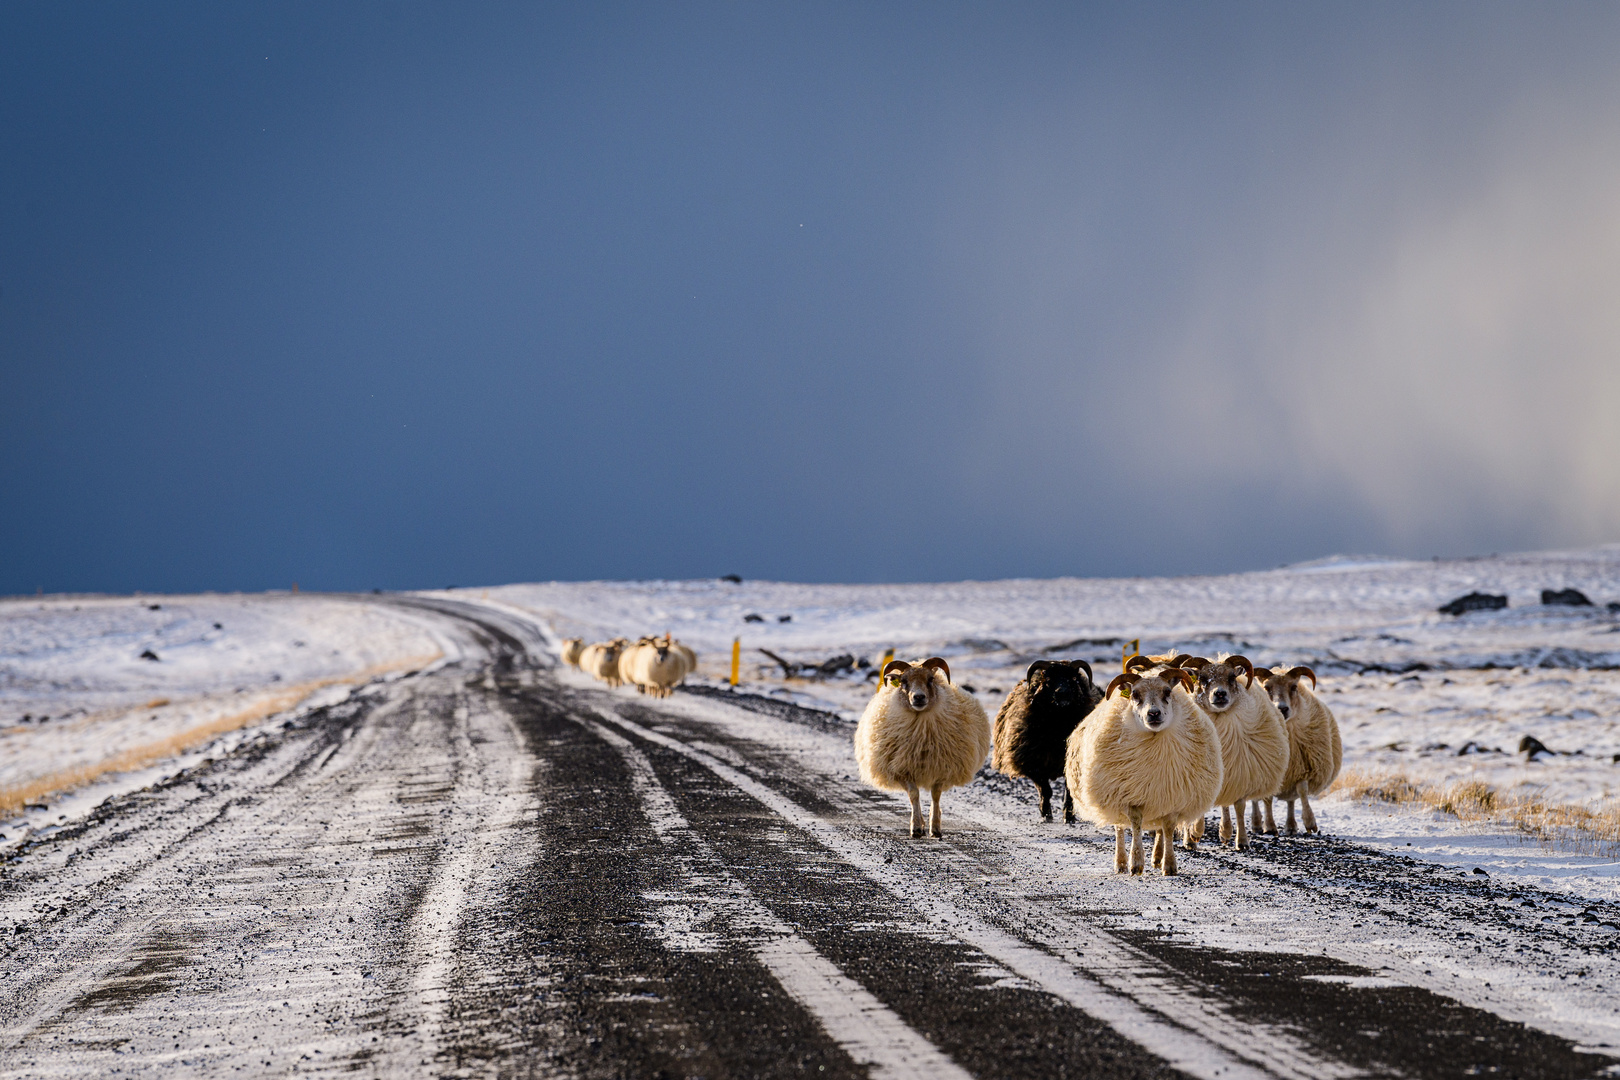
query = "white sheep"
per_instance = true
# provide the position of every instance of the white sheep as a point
(1315, 751)
(657, 666)
(1254, 745)
(571, 650)
(602, 660)
(1148, 757)
(920, 731)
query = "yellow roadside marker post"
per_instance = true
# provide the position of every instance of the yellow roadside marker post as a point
(1129, 650)
(736, 658)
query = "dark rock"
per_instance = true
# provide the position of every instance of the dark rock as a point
(733, 578)
(1565, 597)
(1481, 872)
(753, 616)
(217, 626)
(784, 618)
(836, 664)
(1530, 746)
(1474, 601)
(148, 654)
(1614, 605)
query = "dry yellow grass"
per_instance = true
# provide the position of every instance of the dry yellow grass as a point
(1570, 827)
(15, 797)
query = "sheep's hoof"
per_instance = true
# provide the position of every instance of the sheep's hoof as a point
(1241, 845)
(1136, 871)
(1068, 819)
(1046, 816)
(935, 833)
(1169, 871)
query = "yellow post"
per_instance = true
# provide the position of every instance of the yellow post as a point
(736, 658)
(883, 663)
(1128, 650)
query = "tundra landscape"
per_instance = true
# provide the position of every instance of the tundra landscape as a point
(400, 834)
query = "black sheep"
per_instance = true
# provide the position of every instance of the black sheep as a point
(1033, 726)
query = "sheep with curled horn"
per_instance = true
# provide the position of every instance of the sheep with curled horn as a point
(1146, 758)
(1033, 725)
(1315, 751)
(657, 666)
(1254, 744)
(920, 731)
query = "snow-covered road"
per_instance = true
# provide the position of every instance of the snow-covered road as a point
(495, 867)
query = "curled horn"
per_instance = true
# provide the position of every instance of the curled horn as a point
(936, 662)
(1082, 664)
(1194, 663)
(1036, 666)
(1181, 658)
(1242, 662)
(1127, 680)
(893, 667)
(1173, 675)
(1136, 663)
(1264, 674)
(1295, 673)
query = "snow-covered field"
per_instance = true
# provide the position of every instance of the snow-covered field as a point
(1434, 697)
(124, 687)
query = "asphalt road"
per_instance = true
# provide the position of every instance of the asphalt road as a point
(493, 869)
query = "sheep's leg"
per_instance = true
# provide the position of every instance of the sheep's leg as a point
(1292, 829)
(1305, 809)
(1271, 822)
(1119, 849)
(1136, 839)
(1256, 822)
(1068, 804)
(934, 817)
(1242, 833)
(1159, 845)
(1166, 830)
(1192, 834)
(916, 811)
(1226, 822)
(1046, 799)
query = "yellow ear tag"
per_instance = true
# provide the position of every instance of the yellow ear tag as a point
(1125, 691)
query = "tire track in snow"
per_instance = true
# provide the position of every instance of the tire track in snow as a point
(868, 1031)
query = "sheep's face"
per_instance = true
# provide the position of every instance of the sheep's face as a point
(919, 687)
(1059, 685)
(1153, 703)
(1218, 687)
(1285, 691)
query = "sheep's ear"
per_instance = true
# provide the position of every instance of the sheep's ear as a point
(1123, 683)
(1039, 665)
(940, 665)
(1264, 674)
(1081, 665)
(893, 667)
(1295, 673)
(1136, 663)
(1243, 665)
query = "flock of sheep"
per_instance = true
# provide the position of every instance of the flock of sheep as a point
(653, 665)
(1168, 740)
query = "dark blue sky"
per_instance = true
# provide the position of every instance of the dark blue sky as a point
(410, 295)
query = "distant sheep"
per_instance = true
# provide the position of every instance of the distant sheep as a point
(1254, 744)
(1315, 751)
(919, 731)
(1146, 758)
(602, 660)
(657, 666)
(571, 649)
(1033, 725)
